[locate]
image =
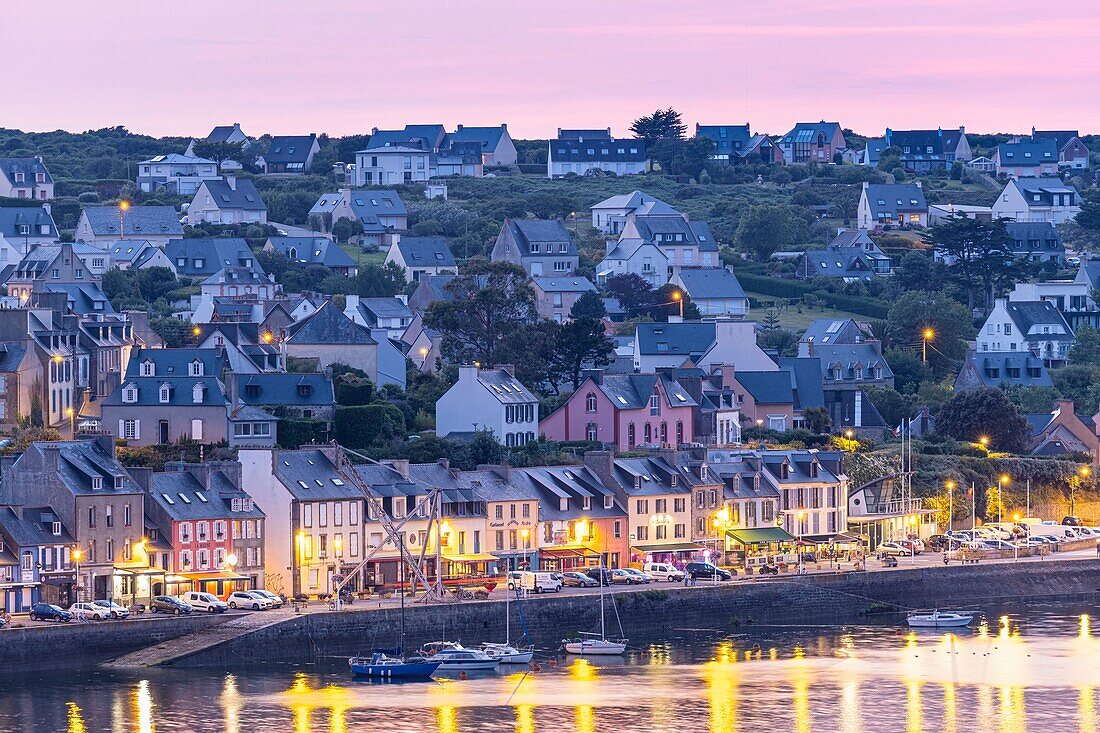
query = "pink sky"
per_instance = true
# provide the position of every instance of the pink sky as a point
(345, 66)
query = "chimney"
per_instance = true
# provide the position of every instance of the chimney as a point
(602, 463)
(107, 444)
(509, 368)
(962, 129)
(503, 471)
(231, 181)
(596, 375)
(1064, 407)
(47, 208)
(345, 196)
(727, 373)
(459, 127)
(445, 462)
(504, 126)
(142, 475)
(918, 184)
(400, 465)
(230, 384)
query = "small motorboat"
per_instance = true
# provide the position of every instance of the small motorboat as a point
(594, 645)
(382, 666)
(508, 654)
(938, 619)
(453, 656)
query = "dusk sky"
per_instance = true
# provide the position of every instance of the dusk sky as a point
(345, 66)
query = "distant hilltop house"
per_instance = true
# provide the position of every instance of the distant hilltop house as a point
(180, 174)
(1038, 199)
(610, 215)
(583, 151)
(812, 142)
(22, 228)
(290, 154)
(888, 206)
(421, 257)
(224, 134)
(1072, 152)
(422, 152)
(921, 151)
(1034, 327)
(714, 291)
(555, 296)
(382, 213)
(25, 178)
(1026, 158)
(852, 255)
(103, 226)
(227, 201)
(314, 251)
(540, 246)
(736, 143)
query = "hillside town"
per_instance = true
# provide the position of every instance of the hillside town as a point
(248, 362)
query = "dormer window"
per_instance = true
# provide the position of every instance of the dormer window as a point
(784, 471)
(608, 501)
(165, 393)
(97, 483)
(148, 369)
(813, 469)
(198, 393)
(118, 482)
(563, 504)
(130, 394)
(195, 369)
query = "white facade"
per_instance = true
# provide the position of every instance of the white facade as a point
(181, 172)
(1001, 333)
(1020, 201)
(391, 166)
(635, 257)
(488, 399)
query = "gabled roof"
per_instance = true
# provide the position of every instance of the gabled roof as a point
(636, 202)
(686, 339)
(376, 308)
(488, 138)
(854, 238)
(806, 378)
(807, 131)
(894, 198)
(312, 250)
(632, 391)
(181, 392)
(368, 205)
(284, 389)
(216, 253)
(832, 330)
(176, 362)
(178, 159)
(238, 276)
(221, 133)
(34, 528)
(528, 231)
(82, 460)
(1061, 138)
(327, 325)
(506, 388)
(1043, 234)
(425, 137)
(29, 167)
(426, 252)
(711, 283)
(138, 221)
(129, 250)
(563, 284)
(773, 388)
(1045, 187)
(627, 247)
(623, 151)
(83, 298)
(309, 475)
(846, 262)
(241, 195)
(290, 148)
(1027, 153)
(182, 498)
(992, 368)
(727, 138)
(845, 357)
(1028, 314)
(14, 218)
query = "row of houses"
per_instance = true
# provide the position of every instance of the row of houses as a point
(76, 524)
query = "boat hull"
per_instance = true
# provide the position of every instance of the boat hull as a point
(938, 620)
(413, 671)
(590, 649)
(470, 665)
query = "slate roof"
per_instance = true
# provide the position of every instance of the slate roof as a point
(651, 228)
(237, 275)
(638, 203)
(1045, 187)
(309, 475)
(1035, 236)
(632, 391)
(313, 251)
(825, 330)
(182, 498)
(728, 139)
(627, 247)
(29, 167)
(426, 252)
(602, 134)
(1028, 314)
(988, 363)
(178, 159)
(426, 137)
(656, 477)
(377, 308)
(678, 338)
(609, 150)
(506, 388)
(129, 250)
(1027, 153)
(1061, 138)
(327, 325)
(215, 252)
(181, 392)
(11, 355)
(806, 379)
(487, 137)
(175, 362)
(847, 262)
(290, 148)
(526, 231)
(34, 528)
(550, 484)
(367, 205)
(242, 195)
(437, 284)
(854, 238)
(711, 283)
(84, 298)
(284, 389)
(807, 131)
(873, 152)
(221, 133)
(847, 355)
(894, 198)
(773, 388)
(563, 284)
(82, 460)
(13, 218)
(138, 220)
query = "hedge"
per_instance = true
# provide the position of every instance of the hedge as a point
(363, 425)
(293, 432)
(795, 289)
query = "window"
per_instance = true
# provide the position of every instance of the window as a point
(654, 404)
(130, 430)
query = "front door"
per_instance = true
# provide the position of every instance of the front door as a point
(164, 432)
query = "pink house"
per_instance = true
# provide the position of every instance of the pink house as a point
(624, 410)
(766, 399)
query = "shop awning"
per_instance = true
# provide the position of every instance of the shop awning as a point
(760, 535)
(484, 557)
(513, 553)
(845, 538)
(138, 570)
(669, 547)
(560, 552)
(215, 575)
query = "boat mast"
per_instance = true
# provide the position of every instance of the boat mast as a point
(603, 633)
(401, 586)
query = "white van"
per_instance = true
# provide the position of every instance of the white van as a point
(663, 571)
(534, 582)
(204, 602)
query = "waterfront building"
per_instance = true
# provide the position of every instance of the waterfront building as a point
(37, 559)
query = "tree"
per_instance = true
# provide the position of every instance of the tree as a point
(664, 124)
(891, 404)
(589, 305)
(909, 371)
(915, 312)
(984, 412)
(1032, 400)
(344, 228)
(633, 292)
(1089, 215)
(490, 301)
(378, 281)
(668, 303)
(917, 271)
(219, 151)
(770, 322)
(156, 282)
(1086, 346)
(682, 157)
(818, 420)
(779, 340)
(582, 343)
(981, 253)
(765, 229)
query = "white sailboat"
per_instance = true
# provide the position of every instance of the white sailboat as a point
(591, 644)
(506, 653)
(939, 619)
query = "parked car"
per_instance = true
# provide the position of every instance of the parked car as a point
(169, 604)
(276, 600)
(50, 612)
(204, 602)
(894, 548)
(600, 575)
(939, 543)
(89, 611)
(115, 610)
(246, 599)
(642, 577)
(1071, 521)
(707, 571)
(579, 580)
(998, 545)
(663, 571)
(621, 577)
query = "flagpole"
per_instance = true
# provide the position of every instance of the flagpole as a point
(973, 507)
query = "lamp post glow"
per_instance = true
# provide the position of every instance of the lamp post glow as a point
(525, 533)
(1084, 472)
(950, 504)
(76, 555)
(678, 298)
(123, 207)
(926, 335)
(72, 421)
(1001, 483)
(983, 440)
(798, 546)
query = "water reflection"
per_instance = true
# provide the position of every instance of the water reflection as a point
(1019, 672)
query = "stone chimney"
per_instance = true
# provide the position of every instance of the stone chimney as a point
(509, 368)
(596, 375)
(1063, 407)
(345, 196)
(401, 465)
(142, 475)
(503, 471)
(467, 373)
(602, 463)
(231, 181)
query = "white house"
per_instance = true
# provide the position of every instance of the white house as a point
(489, 399)
(1038, 199)
(420, 256)
(391, 165)
(580, 151)
(715, 291)
(179, 173)
(22, 228)
(609, 216)
(886, 206)
(1034, 327)
(227, 201)
(25, 178)
(637, 256)
(103, 226)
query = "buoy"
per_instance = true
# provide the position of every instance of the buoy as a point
(462, 676)
(553, 662)
(536, 666)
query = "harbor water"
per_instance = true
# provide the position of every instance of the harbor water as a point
(1023, 668)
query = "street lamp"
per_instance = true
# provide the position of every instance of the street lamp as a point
(798, 545)
(950, 504)
(123, 207)
(926, 335)
(1001, 483)
(678, 298)
(984, 441)
(77, 554)
(525, 533)
(72, 421)
(1084, 472)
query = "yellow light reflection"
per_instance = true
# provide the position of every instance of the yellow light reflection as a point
(143, 707)
(659, 655)
(446, 719)
(1085, 631)
(722, 678)
(800, 682)
(303, 700)
(912, 707)
(585, 719)
(582, 670)
(950, 708)
(849, 707)
(1086, 705)
(1012, 710)
(525, 719)
(231, 704)
(75, 717)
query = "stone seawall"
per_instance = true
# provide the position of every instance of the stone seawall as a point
(806, 599)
